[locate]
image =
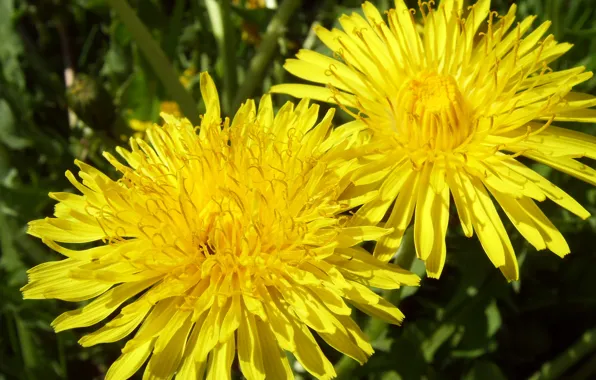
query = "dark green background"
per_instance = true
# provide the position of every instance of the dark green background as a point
(471, 324)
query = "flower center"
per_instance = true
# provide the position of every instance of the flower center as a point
(432, 113)
(434, 94)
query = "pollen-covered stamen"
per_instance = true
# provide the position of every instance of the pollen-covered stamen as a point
(432, 113)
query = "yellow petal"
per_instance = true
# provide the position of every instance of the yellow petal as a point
(552, 192)
(163, 364)
(532, 223)
(440, 219)
(399, 219)
(314, 92)
(118, 328)
(309, 353)
(278, 323)
(232, 319)
(567, 165)
(342, 342)
(461, 201)
(190, 368)
(424, 232)
(65, 231)
(129, 363)
(372, 212)
(155, 322)
(101, 307)
(211, 99)
(209, 335)
(250, 355)
(275, 360)
(350, 236)
(364, 268)
(374, 305)
(490, 229)
(220, 361)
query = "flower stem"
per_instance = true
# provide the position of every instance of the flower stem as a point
(375, 327)
(577, 351)
(262, 58)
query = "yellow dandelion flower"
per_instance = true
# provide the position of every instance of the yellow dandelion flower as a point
(222, 242)
(449, 109)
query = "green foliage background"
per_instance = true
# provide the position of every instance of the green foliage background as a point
(471, 324)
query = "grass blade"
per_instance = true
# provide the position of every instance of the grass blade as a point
(157, 59)
(219, 14)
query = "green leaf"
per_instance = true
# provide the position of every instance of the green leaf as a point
(28, 347)
(8, 129)
(11, 47)
(10, 260)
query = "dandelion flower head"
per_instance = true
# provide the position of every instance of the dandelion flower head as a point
(450, 103)
(219, 244)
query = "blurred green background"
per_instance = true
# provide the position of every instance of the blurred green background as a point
(74, 74)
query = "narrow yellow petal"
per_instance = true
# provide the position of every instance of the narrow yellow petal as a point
(399, 219)
(211, 98)
(250, 355)
(232, 319)
(129, 363)
(362, 267)
(163, 364)
(350, 236)
(341, 340)
(314, 92)
(533, 224)
(461, 201)
(101, 307)
(552, 192)
(307, 308)
(155, 322)
(65, 231)
(118, 328)
(220, 361)
(309, 353)
(567, 165)
(440, 219)
(279, 324)
(209, 335)
(372, 212)
(490, 229)
(520, 219)
(332, 299)
(275, 360)
(372, 304)
(190, 368)
(424, 231)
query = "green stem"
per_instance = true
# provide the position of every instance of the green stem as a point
(219, 13)
(157, 59)
(375, 327)
(262, 58)
(576, 352)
